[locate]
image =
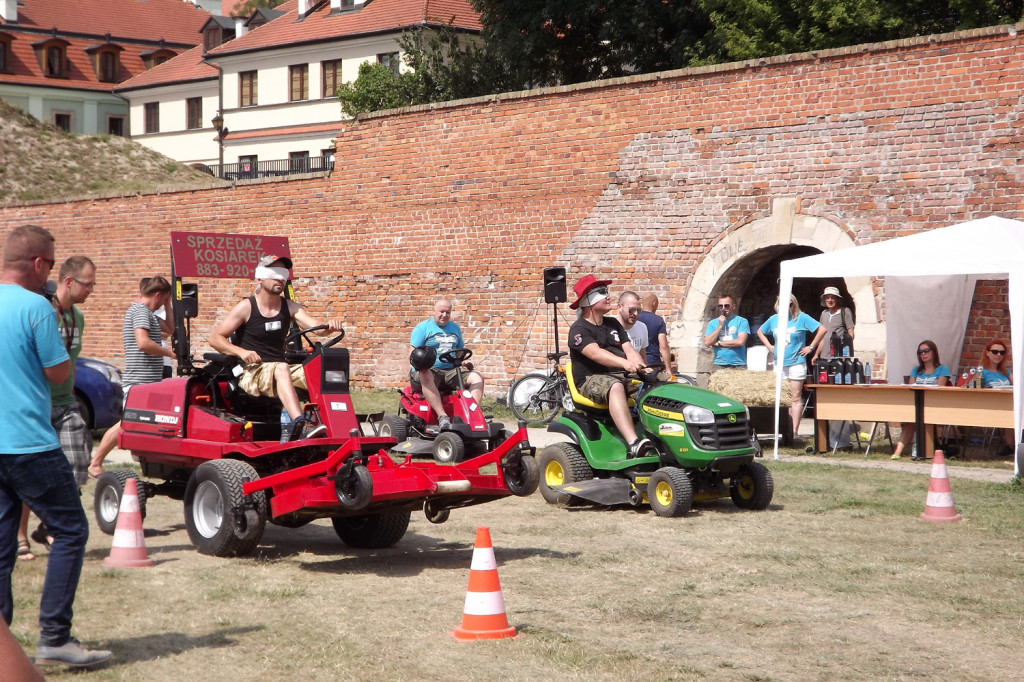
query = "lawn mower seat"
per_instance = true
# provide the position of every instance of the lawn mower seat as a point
(579, 398)
(223, 367)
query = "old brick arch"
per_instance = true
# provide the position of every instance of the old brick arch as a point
(740, 254)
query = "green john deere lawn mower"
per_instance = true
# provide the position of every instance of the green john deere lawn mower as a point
(703, 448)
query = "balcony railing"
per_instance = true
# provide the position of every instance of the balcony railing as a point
(247, 170)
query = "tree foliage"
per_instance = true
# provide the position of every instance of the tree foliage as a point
(249, 6)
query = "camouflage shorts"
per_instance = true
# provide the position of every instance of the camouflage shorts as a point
(258, 379)
(596, 387)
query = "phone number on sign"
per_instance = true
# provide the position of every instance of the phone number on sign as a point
(228, 270)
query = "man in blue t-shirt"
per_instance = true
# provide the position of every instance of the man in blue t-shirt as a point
(441, 334)
(726, 336)
(657, 344)
(33, 469)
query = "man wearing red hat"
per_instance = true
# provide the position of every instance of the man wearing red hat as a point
(602, 356)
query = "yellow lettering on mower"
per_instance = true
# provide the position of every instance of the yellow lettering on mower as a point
(664, 414)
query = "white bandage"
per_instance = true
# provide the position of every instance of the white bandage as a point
(263, 272)
(593, 297)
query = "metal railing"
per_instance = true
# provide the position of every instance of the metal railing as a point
(247, 170)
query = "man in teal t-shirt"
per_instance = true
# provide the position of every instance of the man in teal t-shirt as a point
(726, 335)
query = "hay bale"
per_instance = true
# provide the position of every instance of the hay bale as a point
(753, 389)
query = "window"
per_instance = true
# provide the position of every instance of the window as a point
(152, 117)
(62, 120)
(55, 62)
(298, 162)
(109, 67)
(331, 79)
(194, 112)
(388, 59)
(247, 88)
(5, 54)
(327, 159)
(298, 75)
(115, 125)
(247, 166)
(211, 38)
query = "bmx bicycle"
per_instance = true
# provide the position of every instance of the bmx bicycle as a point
(539, 397)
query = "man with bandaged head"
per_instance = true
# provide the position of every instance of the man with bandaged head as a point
(262, 322)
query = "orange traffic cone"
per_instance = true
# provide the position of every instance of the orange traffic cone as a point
(939, 505)
(484, 614)
(129, 548)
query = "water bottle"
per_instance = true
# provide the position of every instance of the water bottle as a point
(972, 382)
(286, 426)
(867, 372)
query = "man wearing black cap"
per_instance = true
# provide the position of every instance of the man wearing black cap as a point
(602, 356)
(262, 322)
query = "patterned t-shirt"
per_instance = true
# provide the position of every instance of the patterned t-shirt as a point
(139, 367)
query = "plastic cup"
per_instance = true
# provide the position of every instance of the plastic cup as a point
(906, 379)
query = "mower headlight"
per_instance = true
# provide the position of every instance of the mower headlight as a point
(698, 415)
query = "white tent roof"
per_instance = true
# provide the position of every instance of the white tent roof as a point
(930, 279)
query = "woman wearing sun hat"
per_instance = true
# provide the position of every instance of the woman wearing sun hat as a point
(835, 318)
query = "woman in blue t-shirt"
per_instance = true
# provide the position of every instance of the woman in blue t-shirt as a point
(794, 364)
(929, 372)
(995, 374)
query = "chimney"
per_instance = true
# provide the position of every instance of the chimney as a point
(240, 28)
(9, 11)
(303, 8)
(335, 6)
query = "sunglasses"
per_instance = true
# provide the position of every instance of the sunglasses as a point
(997, 351)
(87, 285)
(46, 260)
(724, 306)
(922, 351)
(601, 290)
(633, 311)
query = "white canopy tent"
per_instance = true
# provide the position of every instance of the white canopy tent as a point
(929, 282)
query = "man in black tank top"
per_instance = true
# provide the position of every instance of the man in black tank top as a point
(261, 322)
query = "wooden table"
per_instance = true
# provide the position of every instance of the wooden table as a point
(919, 404)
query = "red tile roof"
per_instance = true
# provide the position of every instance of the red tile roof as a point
(172, 20)
(309, 128)
(188, 66)
(376, 16)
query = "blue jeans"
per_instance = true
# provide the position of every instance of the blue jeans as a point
(43, 481)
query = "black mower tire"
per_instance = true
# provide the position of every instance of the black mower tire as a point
(559, 464)
(434, 514)
(356, 492)
(372, 531)
(213, 496)
(752, 487)
(449, 448)
(522, 480)
(670, 492)
(107, 498)
(394, 426)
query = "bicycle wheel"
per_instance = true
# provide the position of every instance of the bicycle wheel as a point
(534, 398)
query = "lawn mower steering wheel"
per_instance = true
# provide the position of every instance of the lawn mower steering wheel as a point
(456, 356)
(313, 344)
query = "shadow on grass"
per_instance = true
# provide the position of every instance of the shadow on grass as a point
(160, 645)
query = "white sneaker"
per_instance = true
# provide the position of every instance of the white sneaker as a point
(70, 654)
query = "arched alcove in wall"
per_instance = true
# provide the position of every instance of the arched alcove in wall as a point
(745, 263)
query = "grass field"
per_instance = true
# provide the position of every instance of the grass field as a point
(837, 580)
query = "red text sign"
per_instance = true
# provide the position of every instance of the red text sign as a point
(209, 254)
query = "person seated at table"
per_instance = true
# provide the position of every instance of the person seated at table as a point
(929, 372)
(994, 374)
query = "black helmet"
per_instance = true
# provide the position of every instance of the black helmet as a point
(422, 357)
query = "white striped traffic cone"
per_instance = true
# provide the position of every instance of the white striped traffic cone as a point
(129, 548)
(483, 617)
(939, 506)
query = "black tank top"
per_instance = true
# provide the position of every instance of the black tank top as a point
(265, 335)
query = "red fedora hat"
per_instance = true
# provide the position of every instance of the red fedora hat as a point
(583, 286)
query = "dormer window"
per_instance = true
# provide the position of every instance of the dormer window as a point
(106, 61)
(212, 37)
(152, 58)
(5, 53)
(53, 57)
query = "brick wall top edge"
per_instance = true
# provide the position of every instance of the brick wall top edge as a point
(1008, 30)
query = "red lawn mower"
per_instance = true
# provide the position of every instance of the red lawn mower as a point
(218, 449)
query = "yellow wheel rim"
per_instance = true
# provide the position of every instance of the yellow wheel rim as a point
(663, 493)
(554, 474)
(745, 487)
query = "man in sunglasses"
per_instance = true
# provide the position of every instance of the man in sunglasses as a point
(602, 357)
(629, 318)
(726, 335)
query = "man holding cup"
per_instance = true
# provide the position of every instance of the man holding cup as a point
(726, 336)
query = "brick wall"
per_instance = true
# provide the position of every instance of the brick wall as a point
(634, 178)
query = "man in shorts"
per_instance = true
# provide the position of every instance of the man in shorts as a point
(440, 333)
(602, 356)
(262, 322)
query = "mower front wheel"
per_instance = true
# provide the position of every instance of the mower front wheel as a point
(670, 492)
(219, 518)
(752, 487)
(522, 480)
(372, 531)
(107, 498)
(449, 448)
(356, 490)
(559, 464)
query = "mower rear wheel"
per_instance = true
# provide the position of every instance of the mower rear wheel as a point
(522, 480)
(559, 464)
(670, 492)
(394, 426)
(372, 531)
(107, 498)
(752, 487)
(449, 448)
(356, 491)
(219, 518)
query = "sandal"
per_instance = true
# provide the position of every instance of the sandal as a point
(25, 551)
(40, 535)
